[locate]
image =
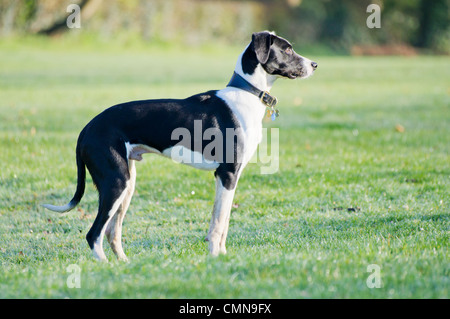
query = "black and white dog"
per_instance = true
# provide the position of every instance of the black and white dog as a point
(114, 139)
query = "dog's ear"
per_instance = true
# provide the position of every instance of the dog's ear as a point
(261, 45)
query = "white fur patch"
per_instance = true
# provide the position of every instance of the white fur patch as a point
(59, 209)
(308, 67)
(177, 153)
(181, 154)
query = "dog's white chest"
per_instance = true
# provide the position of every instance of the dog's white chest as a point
(249, 111)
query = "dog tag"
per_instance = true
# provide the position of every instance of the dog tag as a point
(274, 114)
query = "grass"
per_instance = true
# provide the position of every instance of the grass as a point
(363, 179)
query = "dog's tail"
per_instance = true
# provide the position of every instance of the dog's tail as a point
(80, 188)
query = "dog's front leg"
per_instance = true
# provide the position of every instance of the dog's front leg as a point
(220, 219)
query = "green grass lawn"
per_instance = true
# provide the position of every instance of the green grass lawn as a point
(363, 179)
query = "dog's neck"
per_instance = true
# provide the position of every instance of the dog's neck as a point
(259, 78)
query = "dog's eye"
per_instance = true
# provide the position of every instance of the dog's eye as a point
(288, 51)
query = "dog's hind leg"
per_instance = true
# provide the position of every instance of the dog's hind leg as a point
(114, 227)
(111, 176)
(109, 202)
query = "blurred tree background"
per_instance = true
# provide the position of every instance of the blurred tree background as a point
(333, 26)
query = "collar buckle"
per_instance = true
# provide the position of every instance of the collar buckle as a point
(268, 99)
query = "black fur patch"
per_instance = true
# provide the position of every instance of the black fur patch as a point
(151, 123)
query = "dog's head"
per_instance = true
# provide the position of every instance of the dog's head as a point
(276, 56)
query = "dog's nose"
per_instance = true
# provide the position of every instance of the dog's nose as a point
(314, 65)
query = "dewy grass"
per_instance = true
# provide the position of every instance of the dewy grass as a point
(361, 190)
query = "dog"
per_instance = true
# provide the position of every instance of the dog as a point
(111, 142)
